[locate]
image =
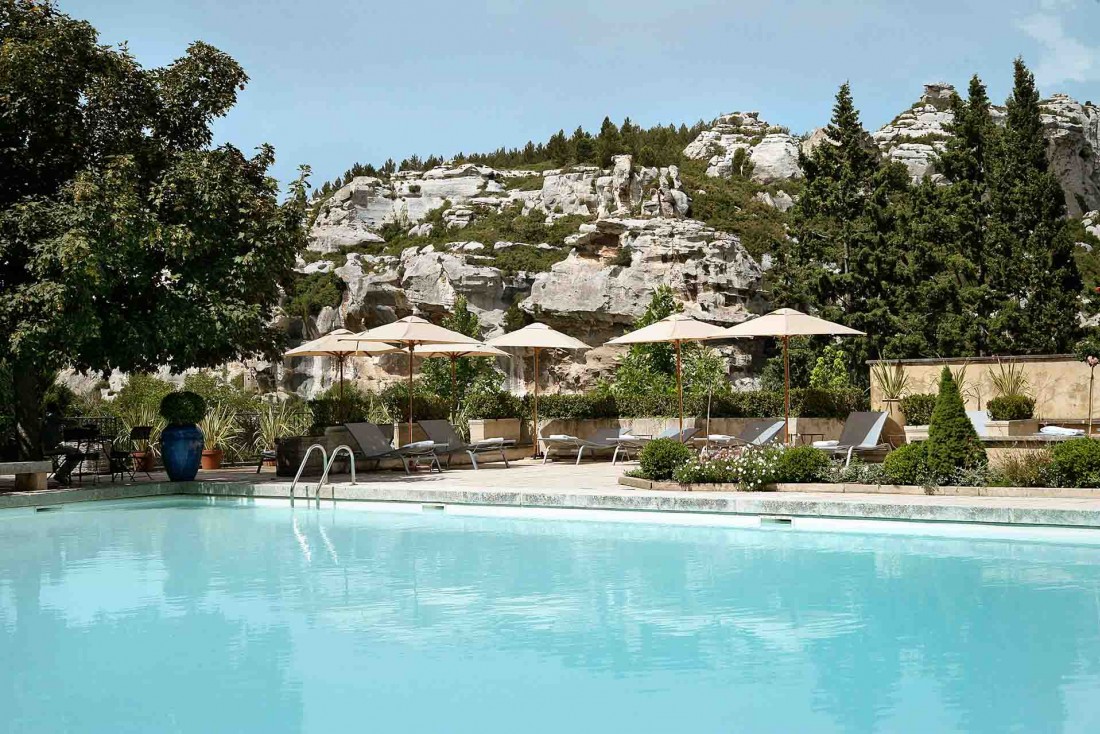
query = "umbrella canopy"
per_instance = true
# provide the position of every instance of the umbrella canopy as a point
(537, 336)
(410, 332)
(785, 323)
(331, 345)
(677, 329)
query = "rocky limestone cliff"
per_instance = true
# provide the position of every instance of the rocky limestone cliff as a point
(772, 150)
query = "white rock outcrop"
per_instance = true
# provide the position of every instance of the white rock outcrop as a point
(772, 151)
(916, 136)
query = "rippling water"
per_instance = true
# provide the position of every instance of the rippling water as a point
(191, 616)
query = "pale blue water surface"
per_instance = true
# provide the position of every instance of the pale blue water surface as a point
(194, 616)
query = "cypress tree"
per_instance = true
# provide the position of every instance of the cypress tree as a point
(952, 441)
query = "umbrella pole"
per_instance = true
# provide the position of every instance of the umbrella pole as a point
(786, 392)
(536, 426)
(410, 392)
(680, 389)
(454, 388)
(343, 408)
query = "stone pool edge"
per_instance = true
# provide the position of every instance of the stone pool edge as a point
(986, 510)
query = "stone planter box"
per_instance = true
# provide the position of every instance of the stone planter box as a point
(506, 428)
(289, 452)
(916, 433)
(826, 429)
(1026, 427)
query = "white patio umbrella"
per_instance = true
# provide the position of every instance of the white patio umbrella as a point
(785, 323)
(410, 332)
(676, 329)
(331, 345)
(454, 352)
(535, 337)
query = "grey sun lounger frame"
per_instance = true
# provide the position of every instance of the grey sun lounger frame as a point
(374, 446)
(442, 433)
(755, 433)
(634, 443)
(862, 433)
(601, 441)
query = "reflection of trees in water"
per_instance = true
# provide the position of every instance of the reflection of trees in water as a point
(995, 625)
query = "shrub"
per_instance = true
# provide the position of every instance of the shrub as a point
(182, 408)
(857, 472)
(498, 404)
(800, 464)
(662, 457)
(579, 405)
(952, 441)
(426, 406)
(1023, 469)
(307, 294)
(907, 464)
(750, 469)
(1011, 408)
(917, 408)
(1075, 463)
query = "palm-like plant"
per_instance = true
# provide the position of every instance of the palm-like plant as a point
(140, 415)
(1009, 379)
(279, 420)
(218, 427)
(892, 380)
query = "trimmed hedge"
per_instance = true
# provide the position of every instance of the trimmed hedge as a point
(803, 464)
(806, 403)
(1075, 463)
(489, 405)
(907, 464)
(917, 408)
(662, 457)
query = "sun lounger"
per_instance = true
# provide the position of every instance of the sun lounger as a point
(979, 419)
(755, 433)
(633, 443)
(601, 441)
(443, 434)
(375, 447)
(861, 434)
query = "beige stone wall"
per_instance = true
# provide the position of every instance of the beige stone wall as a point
(1059, 383)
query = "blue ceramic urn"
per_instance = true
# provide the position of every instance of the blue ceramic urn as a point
(181, 451)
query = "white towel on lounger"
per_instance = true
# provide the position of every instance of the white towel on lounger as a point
(561, 437)
(826, 444)
(1060, 431)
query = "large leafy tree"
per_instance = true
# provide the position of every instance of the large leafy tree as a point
(126, 240)
(470, 373)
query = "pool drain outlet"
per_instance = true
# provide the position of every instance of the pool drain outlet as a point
(783, 522)
(433, 508)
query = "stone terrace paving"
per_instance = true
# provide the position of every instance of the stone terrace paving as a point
(588, 486)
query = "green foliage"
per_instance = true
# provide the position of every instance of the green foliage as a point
(830, 371)
(742, 404)
(515, 317)
(182, 408)
(952, 442)
(661, 457)
(803, 355)
(891, 379)
(749, 469)
(217, 391)
(141, 392)
(908, 464)
(1086, 347)
(280, 420)
(1075, 463)
(801, 464)
(127, 241)
(1027, 468)
(426, 405)
(219, 427)
(468, 371)
(358, 405)
(480, 405)
(306, 295)
(1011, 408)
(1009, 379)
(917, 408)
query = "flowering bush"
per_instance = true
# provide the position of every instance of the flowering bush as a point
(748, 468)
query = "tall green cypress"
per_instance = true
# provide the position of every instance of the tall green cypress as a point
(952, 441)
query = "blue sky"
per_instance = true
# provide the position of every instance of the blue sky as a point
(335, 83)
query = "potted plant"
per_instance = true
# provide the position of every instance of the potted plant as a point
(1012, 411)
(277, 421)
(917, 409)
(892, 384)
(218, 427)
(181, 440)
(141, 449)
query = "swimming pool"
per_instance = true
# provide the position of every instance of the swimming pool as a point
(193, 615)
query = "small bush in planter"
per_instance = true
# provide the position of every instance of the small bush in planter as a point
(907, 464)
(182, 408)
(1075, 463)
(917, 408)
(663, 456)
(1011, 408)
(800, 464)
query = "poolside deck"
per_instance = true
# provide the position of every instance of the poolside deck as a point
(590, 486)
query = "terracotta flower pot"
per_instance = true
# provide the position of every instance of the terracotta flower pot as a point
(211, 459)
(143, 460)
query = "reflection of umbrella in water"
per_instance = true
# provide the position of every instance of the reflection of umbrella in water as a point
(454, 352)
(676, 329)
(331, 345)
(537, 336)
(410, 332)
(785, 323)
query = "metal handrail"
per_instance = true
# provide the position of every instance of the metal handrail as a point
(332, 460)
(302, 466)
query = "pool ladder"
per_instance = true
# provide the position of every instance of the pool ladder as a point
(326, 461)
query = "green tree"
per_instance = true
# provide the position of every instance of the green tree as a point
(952, 441)
(468, 371)
(126, 241)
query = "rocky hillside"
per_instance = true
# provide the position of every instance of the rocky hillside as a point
(583, 248)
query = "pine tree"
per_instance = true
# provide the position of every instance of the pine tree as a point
(952, 441)
(608, 142)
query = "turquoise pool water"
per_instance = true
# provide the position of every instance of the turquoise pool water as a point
(193, 616)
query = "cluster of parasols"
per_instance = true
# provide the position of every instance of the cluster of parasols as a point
(420, 338)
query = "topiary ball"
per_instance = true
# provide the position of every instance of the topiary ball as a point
(182, 408)
(663, 456)
(907, 464)
(1011, 408)
(802, 464)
